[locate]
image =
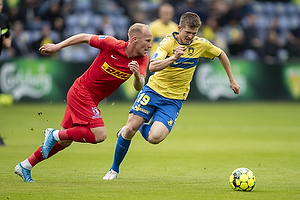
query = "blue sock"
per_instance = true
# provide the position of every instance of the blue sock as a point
(144, 129)
(120, 152)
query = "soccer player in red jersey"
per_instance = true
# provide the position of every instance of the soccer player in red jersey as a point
(82, 122)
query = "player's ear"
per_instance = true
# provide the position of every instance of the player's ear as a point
(134, 38)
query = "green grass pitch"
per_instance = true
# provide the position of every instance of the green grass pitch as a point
(195, 161)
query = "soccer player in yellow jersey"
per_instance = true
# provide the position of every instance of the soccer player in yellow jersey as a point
(162, 26)
(173, 65)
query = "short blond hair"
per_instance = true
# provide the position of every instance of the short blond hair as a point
(190, 19)
(136, 29)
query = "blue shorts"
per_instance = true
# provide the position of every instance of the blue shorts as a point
(150, 104)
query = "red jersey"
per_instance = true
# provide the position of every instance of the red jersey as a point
(109, 69)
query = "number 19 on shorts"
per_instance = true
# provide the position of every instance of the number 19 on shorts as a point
(143, 99)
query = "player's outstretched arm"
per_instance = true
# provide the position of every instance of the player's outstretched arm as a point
(226, 65)
(73, 40)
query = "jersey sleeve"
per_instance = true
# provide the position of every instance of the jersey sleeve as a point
(103, 42)
(162, 50)
(211, 50)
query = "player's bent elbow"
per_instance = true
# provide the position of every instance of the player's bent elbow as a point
(151, 70)
(138, 88)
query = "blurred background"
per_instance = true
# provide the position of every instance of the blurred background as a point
(261, 38)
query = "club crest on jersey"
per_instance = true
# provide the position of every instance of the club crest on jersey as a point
(191, 51)
(170, 123)
(114, 72)
(96, 113)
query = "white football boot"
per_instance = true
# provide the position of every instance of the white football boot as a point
(111, 175)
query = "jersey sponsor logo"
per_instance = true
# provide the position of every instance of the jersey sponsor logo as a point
(138, 108)
(114, 72)
(185, 63)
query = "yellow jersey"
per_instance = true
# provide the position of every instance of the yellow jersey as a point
(159, 30)
(174, 81)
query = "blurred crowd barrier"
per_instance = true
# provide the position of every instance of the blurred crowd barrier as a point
(48, 80)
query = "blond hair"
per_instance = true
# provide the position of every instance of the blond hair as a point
(190, 19)
(136, 29)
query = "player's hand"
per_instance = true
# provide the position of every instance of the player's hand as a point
(179, 51)
(134, 67)
(6, 42)
(48, 48)
(235, 87)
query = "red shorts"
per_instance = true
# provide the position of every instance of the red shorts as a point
(81, 110)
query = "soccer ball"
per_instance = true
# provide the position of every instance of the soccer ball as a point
(242, 179)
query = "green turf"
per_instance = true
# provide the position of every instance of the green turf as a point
(208, 142)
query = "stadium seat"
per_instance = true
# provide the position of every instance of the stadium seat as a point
(279, 7)
(284, 22)
(269, 9)
(82, 6)
(71, 20)
(257, 8)
(291, 9)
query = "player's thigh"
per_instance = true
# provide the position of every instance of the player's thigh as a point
(145, 103)
(167, 112)
(81, 110)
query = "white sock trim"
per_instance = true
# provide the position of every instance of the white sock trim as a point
(55, 135)
(26, 164)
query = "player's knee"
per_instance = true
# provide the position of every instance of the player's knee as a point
(157, 136)
(155, 139)
(100, 135)
(129, 132)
